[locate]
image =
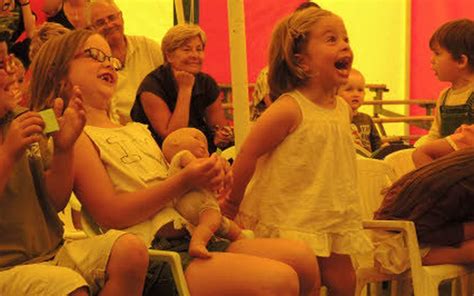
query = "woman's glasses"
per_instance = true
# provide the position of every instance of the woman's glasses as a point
(100, 56)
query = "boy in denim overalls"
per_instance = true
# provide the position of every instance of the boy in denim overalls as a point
(453, 60)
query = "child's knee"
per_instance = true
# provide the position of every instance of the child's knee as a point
(132, 254)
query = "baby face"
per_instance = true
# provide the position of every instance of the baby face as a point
(354, 90)
(195, 142)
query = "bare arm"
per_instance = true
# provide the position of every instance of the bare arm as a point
(59, 177)
(434, 132)
(110, 209)
(28, 18)
(215, 114)
(431, 151)
(51, 7)
(162, 120)
(23, 131)
(263, 138)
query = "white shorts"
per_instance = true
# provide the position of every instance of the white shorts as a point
(79, 263)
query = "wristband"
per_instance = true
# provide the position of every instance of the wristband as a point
(25, 4)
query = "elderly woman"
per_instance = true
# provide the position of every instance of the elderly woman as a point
(69, 13)
(120, 176)
(178, 94)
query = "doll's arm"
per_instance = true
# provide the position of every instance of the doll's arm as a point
(186, 158)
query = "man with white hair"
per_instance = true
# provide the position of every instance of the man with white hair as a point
(139, 55)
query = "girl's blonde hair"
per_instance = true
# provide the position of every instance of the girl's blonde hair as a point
(50, 68)
(290, 38)
(178, 35)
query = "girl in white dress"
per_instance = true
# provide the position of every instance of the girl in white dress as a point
(299, 156)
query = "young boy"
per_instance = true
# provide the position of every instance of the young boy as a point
(453, 61)
(34, 259)
(364, 131)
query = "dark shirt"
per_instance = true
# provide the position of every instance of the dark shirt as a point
(161, 83)
(442, 225)
(11, 28)
(61, 19)
(368, 132)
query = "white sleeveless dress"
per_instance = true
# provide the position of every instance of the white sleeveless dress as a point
(306, 188)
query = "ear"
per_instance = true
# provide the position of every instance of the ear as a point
(463, 61)
(302, 61)
(169, 57)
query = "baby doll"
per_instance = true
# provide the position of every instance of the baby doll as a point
(199, 207)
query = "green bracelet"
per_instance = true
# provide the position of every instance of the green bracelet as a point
(25, 4)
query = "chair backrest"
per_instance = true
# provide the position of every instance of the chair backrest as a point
(401, 161)
(88, 224)
(229, 153)
(373, 176)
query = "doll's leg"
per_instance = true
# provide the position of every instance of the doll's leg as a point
(209, 222)
(230, 230)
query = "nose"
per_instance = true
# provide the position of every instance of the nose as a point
(108, 63)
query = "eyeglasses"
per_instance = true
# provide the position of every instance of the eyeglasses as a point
(100, 56)
(99, 23)
(8, 64)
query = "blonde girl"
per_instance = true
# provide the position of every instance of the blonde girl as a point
(295, 175)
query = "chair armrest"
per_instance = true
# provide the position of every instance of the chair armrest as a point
(389, 225)
(407, 228)
(173, 259)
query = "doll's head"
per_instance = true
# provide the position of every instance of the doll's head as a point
(187, 138)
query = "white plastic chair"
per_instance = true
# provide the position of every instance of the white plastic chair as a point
(172, 258)
(401, 161)
(70, 232)
(425, 279)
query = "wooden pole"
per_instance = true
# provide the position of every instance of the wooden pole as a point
(238, 62)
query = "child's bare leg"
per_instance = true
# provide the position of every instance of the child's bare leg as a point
(337, 274)
(450, 255)
(126, 268)
(209, 222)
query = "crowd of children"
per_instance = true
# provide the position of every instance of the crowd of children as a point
(293, 182)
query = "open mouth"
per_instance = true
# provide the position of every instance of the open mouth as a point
(343, 64)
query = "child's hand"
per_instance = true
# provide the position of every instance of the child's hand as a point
(206, 173)
(24, 130)
(228, 178)
(223, 136)
(71, 122)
